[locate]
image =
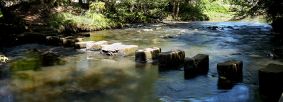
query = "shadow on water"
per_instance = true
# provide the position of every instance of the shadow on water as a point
(92, 77)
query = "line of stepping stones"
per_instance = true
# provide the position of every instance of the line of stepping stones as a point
(229, 72)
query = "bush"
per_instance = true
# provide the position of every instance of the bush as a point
(192, 12)
(67, 22)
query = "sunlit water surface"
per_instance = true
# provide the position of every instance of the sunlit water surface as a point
(92, 77)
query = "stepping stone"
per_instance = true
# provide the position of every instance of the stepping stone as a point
(95, 46)
(70, 41)
(230, 70)
(147, 55)
(201, 63)
(271, 82)
(118, 49)
(171, 60)
(53, 40)
(67, 41)
(190, 70)
(82, 45)
(197, 65)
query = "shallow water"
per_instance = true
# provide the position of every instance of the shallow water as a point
(91, 77)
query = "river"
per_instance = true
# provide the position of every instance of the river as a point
(92, 77)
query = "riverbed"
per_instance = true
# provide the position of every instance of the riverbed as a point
(92, 77)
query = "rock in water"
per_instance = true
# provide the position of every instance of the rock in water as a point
(53, 40)
(202, 63)
(199, 64)
(271, 82)
(81, 45)
(229, 72)
(118, 49)
(171, 60)
(147, 55)
(67, 41)
(49, 59)
(94, 46)
(127, 50)
(3, 59)
(190, 68)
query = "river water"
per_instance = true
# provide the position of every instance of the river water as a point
(92, 77)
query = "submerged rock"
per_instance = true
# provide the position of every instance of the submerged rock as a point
(229, 72)
(118, 49)
(49, 59)
(271, 82)
(213, 27)
(199, 64)
(147, 55)
(171, 60)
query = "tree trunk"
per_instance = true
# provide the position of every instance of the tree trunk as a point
(174, 9)
(177, 9)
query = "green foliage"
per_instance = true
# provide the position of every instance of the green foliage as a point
(88, 22)
(137, 11)
(192, 12)
(217, 9)
(97, 6)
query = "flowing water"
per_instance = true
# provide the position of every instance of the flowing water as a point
(92, 77)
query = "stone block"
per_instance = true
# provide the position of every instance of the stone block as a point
(53, 40)
(118, 49)
(127, 50)
(82, 45)
(95, 46)
(271, 82)
(171, 60)
(201, 63)
(190, 70)
(197, 65)
(67, 41)
(231, 70)
(147, 55)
